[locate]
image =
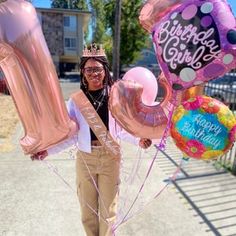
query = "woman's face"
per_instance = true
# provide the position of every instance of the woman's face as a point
(94, 74)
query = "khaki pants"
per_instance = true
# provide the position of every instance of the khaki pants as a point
(97, 187)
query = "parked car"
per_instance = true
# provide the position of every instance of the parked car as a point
(223, 89)
(71, 77)
(3, 85)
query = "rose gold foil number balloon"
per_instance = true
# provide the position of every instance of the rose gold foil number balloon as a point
(31, 78)
(134, 116)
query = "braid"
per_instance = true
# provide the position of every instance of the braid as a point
(108, 81)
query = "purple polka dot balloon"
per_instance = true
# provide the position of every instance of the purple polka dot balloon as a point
(195, 41)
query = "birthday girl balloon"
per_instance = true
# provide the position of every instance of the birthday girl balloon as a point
(203, 128)
(194, 40)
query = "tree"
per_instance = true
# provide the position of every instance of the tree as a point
(116, 41)
(59, 3)
(98, 18)
(79, 4)
(133, 37)
(74, 4)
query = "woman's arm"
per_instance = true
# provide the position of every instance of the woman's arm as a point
(122, 134)
(64, 144)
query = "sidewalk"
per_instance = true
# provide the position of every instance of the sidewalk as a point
(39, 198)
(36, 201)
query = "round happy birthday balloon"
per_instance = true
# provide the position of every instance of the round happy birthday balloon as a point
(203, 128)
(194, 40)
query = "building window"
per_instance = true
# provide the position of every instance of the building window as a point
(70, 23)
(70, 44)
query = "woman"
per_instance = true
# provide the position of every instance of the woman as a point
(98, 156)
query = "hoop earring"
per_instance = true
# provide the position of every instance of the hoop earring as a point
(105, 82)
(84, 82)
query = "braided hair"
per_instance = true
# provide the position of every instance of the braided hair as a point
(108, 81)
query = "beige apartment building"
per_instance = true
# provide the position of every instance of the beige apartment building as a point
(64, 31)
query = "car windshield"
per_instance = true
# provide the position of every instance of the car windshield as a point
(72, 77)
(227, 80)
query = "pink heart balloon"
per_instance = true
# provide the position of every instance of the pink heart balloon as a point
(147, 79)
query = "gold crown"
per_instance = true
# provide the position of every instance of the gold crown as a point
(94, 51)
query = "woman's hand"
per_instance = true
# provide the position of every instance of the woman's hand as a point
(145, 143)
(39, 155)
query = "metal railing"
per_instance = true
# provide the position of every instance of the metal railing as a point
(228, 161)
(226, 93)
(223, 90)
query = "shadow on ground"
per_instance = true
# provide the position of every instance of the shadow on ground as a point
(209, 191)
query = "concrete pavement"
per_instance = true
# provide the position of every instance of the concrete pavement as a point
(39, 198)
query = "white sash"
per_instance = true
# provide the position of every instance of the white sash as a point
(96, 124)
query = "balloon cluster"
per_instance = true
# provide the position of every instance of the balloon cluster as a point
(194, 42)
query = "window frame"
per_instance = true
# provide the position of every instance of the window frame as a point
(72, 43)
(70, 22)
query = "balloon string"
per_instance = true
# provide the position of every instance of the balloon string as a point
(140, 190)
(138, 212)
(128, 178)
(131, 174)
(141, 210)
(162, 143)
(161, 146)
(95, 184)
(97, 190)
(125, 218)
(55, 171)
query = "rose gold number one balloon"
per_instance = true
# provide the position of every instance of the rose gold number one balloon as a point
(31, 78)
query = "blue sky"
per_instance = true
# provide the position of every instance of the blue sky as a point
(42, 3)
(232, 3)
(47, 3)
